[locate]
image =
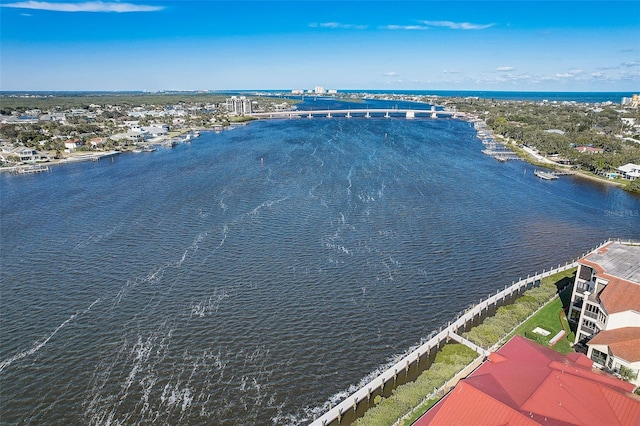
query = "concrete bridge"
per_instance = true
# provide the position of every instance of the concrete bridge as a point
(367, 113)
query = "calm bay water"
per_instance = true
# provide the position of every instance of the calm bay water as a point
(254, 275)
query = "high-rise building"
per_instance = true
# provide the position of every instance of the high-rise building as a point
(633, 101)
(239, 105)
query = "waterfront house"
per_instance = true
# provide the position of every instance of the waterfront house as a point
(136, 136)
(589, 150)
(156, 130)
(605, 308)
(630, 171)
(96, 142)
(71, 145)
(24, 154)
(525, 383)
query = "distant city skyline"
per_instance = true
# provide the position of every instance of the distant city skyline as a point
(241, 45)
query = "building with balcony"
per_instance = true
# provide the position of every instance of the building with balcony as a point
(605, 308)
(239, 105)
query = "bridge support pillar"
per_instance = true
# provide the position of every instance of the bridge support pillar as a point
(410, 115)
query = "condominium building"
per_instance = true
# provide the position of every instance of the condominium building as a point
(239, 105)
(605, 307)
(633, 101)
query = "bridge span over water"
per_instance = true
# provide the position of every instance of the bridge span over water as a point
(367, 113)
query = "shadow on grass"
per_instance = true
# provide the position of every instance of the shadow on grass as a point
(565, 287)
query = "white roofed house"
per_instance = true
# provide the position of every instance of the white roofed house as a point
(156, 130)
(26, 155)
(630, 171)
(605, 308)
(136, 136)
(71, 145)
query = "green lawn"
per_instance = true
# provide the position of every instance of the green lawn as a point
(419, 412)
(548, 318)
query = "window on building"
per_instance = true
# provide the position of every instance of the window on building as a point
(585, 273)
(599, 357)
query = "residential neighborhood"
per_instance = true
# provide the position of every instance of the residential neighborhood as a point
(91, 126)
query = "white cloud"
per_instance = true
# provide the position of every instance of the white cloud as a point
(89, 6)
(571, 74)
(450, 72)
(406, 27)
(390, 74)
(458, 25)
(504, 69)
(337, 25)
(631, 64)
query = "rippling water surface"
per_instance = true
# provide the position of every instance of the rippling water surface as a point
(254, 275)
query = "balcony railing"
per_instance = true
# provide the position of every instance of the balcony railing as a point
(582, 290)
(592, 315)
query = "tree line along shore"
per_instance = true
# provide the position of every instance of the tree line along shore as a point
(593, 139)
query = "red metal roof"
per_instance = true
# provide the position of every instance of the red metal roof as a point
(531, 384)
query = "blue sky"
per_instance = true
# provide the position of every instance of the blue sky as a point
(225, 45)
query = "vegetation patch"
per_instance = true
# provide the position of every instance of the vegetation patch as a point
(450, 360)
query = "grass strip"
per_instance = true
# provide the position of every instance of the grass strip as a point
(451, 359)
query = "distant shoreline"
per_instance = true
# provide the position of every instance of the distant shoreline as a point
(95, 156)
